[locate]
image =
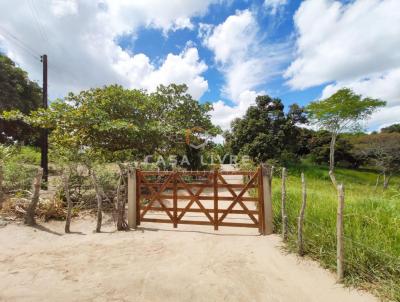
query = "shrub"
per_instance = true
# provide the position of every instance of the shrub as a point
(18, 176)
(26, 155)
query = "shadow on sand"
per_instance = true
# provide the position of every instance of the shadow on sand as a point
(44, 229)
(216, 233)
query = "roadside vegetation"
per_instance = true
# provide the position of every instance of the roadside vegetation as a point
(371, 221)
(98, 134)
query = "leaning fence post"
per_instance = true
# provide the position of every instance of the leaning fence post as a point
(340, 234)
(267, 171)
(30, 212)
(301, 216)
(283, 205)
(1, 186)
(132, 215)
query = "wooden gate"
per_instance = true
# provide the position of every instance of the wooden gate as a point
(217, 198)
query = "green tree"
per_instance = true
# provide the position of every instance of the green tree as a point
(266, 132)
(395, 128)
(96, 125)
(109, 123)
(344, 154)
(341, 112)
(113, 123)
(17, 92)
(177, 112)
(383, 151)
(117, 124)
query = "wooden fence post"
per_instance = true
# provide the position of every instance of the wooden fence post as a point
(175, 199)
(215, 186)
(301, 216)
(283, 205)
(65, 179)
(267, 172)
(30, 212)
(340, 234)
(99, 198)
(132, 215)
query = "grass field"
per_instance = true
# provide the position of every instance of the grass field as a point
(372, 225)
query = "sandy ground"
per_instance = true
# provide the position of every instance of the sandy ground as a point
(157, 263)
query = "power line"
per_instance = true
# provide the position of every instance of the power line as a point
(21, 44)
(39, 24)
(58, 69)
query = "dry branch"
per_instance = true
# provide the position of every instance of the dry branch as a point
(30, 212)
(377, 182)
(386, 180)
(122, 195)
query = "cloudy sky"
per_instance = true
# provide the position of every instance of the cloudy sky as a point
(226, 51)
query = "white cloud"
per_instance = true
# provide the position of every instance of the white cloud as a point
(241, 55)
(80, 38)
(189, 71)
(182, 23)
(245, 60)
(383, 118)
(343, 42)
(350, 45)
(380, 86)
(274, 6)
(223, 114)
(234, 38)
(63, 7)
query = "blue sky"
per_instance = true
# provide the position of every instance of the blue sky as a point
(226, 51)
(277, 27)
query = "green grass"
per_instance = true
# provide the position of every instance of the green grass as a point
(372, 225)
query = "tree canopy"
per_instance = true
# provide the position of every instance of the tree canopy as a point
(266, 132)
(343, 111)
(381, 150)
(116, 123)
(395, 128)
(17, 92)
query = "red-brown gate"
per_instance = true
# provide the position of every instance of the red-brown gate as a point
(217, 198)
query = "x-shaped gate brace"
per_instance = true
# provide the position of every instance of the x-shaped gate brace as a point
(214, 180)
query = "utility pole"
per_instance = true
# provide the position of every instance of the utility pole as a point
(44, 135)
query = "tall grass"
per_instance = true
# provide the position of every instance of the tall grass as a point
(371, 219)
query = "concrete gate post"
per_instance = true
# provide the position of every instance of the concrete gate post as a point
(267, 171)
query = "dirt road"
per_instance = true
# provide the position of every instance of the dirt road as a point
(157, 263)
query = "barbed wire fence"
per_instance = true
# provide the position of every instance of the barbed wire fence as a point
(374, 266)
